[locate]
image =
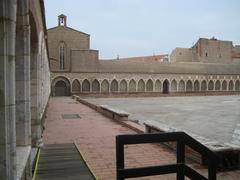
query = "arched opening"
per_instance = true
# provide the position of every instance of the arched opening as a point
(203, 85)
(231, 85)
(165, 86)
(174, 85)
(224, 85)
(95, 86)
(189, 86)
(196, 86)
(149, 85)
(210, 85)
(158, 85)
(141, 86)
(132, 86)
(76, 86)
(217, 85)
(237, 85)
(114, 86)
(105, 86)
(60, 88)
(86, 86)
(181, 86)
(123, 86)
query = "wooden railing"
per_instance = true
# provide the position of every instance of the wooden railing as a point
(180, 168)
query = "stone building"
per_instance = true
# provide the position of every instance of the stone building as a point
(210, 65)
(24, 84)
(207, 50)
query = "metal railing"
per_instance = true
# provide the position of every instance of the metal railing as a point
(180, 168)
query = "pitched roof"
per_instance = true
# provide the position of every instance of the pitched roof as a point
(56, 27)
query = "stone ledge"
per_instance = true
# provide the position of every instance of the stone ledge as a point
(114, 113)
(23, 153)
(107, 111)
(213, 145)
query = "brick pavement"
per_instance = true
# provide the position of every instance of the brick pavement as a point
(95, 134)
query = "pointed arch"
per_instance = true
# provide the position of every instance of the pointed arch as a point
(181, 86)
(196, 86)
(95, 86)
(237, 85)
(141, 86)
(123, 86)
(76, 86)
(210, 85)
(203, 85)
(217, 85)
(132, 85)
(158, 86)
(86, 86)
(149, 85)
(105, 86)
(230, 85)
(114, 86)
(189, 86)
(224, 85)
(165, 86)
(174, 85)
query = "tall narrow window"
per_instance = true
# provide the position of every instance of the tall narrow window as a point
(61, 55)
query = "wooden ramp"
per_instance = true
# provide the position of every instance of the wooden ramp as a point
(62, 162)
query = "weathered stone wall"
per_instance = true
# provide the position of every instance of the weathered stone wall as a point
(84, 60)
(181, 55)
(212, 50)
(25, 84)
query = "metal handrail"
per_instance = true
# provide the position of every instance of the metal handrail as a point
(180, 168)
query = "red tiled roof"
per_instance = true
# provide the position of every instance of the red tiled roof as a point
(143, 58)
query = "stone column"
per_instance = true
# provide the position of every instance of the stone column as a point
(23, 104)
(7, 89)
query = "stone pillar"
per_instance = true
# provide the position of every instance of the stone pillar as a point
(23, 103)
(7, 89)
(35, 127)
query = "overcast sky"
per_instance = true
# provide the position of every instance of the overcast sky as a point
(146, 27)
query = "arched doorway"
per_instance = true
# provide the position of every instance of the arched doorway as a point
(165, 87)
(60, 88)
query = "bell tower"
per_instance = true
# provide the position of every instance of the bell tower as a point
(62, 20)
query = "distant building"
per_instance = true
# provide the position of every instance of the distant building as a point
(207, 50)
(209, 66)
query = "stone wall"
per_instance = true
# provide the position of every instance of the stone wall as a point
(181, 55)
(24, 84)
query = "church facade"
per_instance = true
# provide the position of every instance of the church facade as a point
(211, 65)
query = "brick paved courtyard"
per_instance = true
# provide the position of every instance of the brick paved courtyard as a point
(95, 134)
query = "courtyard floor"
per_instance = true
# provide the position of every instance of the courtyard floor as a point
(69, 121)
(213, 117)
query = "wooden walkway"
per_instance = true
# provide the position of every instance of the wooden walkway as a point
(61, 162)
